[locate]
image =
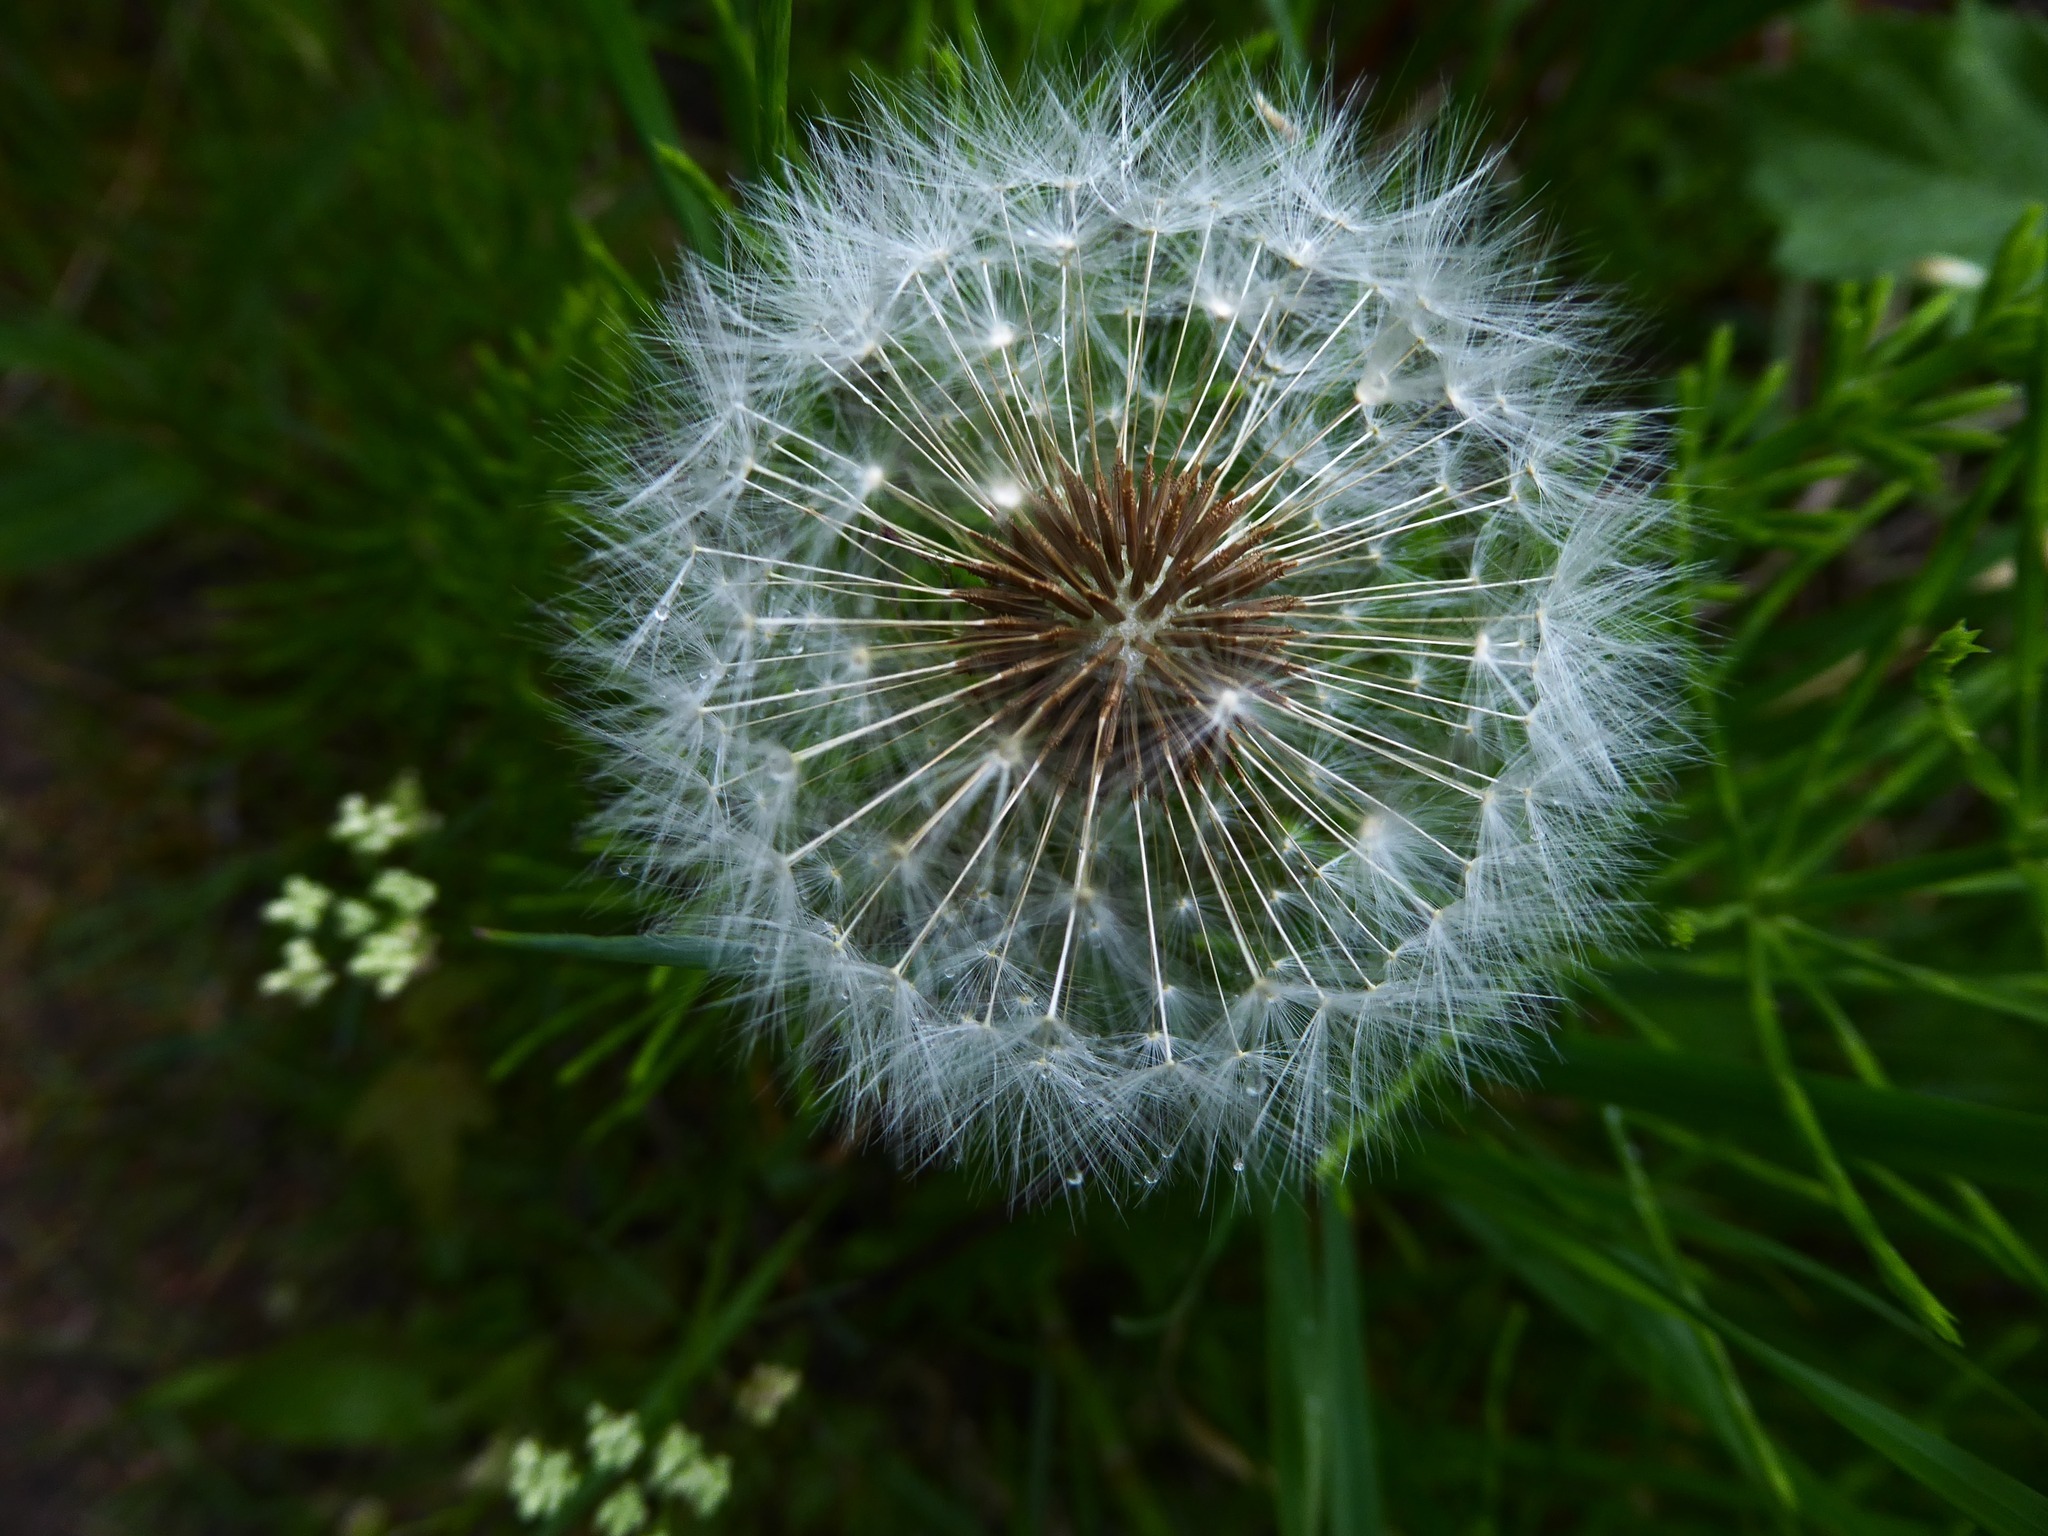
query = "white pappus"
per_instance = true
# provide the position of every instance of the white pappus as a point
(1128, 612)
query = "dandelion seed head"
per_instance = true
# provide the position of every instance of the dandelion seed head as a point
(1132, 614)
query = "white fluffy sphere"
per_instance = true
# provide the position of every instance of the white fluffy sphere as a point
(1130, 618)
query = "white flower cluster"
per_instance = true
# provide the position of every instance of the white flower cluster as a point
(543, 1479)
(391, 941)
(373, 828)
(1131, 621)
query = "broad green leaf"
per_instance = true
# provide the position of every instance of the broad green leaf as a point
(71, 496)
(1896, 138)
(335, 1391)
(417, 1113)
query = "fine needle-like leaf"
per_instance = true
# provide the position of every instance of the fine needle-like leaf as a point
(1991, 1230)
(1916, 605)
(1898, 1274)
(1763, 1462)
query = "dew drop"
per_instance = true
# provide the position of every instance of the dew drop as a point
(1074, 1179)
(1237, 1165)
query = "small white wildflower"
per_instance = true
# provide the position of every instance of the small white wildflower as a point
(1036, 816)
(615, 1440)
(304, 977)
(542, 1480)
(300, 905)
(404, 891)
(1949, 272)
(682, 1471)
(623, 1513)
(705, 1484)
(767, 1388)
(355, 918)
(391, 958)
(375, 828)
(677, 1450)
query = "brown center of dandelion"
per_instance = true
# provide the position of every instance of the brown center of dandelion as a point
(1128, 625)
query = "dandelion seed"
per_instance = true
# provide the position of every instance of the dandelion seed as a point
(1280, 504)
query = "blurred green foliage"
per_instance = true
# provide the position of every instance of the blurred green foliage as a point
(307, 311)
(1895, 138)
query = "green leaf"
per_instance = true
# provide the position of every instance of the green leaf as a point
(326, 1391)
(1726, 1098)
(1292, 1405)
(1898, 138)
(771, 84)
(692, 196)
(1354, 1474)
(1324, 1449)
(1999, 1503)
(417, 1113)
(1573, 1273)
(74, 495)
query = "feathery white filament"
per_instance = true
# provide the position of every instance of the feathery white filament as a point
(1062, 842)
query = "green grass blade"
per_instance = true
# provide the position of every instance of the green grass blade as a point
(1898, 1274)
(1292, 1342)
(771, 85)
(1096, 1412)
(1355, 1500)
(1915, 606)
(2002, 1505)
(1500, 1368)
(1546, 1255)
(1730, 1099)
(1626, 1315)
(1762, 1462)
(717, 1325)
(2030, 577)
(1992, 995)
(1285, 16)
(692, 197)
